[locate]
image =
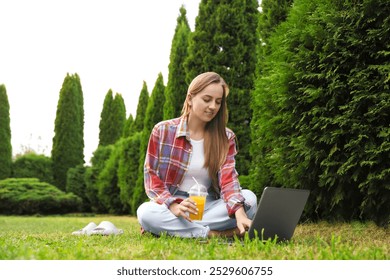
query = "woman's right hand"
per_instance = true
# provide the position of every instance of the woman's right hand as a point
(181, 210)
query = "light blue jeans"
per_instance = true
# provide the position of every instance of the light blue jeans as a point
(157, 218)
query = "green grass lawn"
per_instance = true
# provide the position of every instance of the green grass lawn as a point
(50, 238)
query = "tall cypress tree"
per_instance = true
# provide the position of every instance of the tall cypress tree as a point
(141, 109)
(225, 41)
(128, 128)
(119, 116)
(273, 12)
(5, 135)
(105, 121)
(176, 89)
(68, 140)
(154, 114)
(112, 119)
(154, 111)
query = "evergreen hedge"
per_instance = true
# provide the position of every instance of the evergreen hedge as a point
(128, 171)
(33, 166)
(321, 108)
(98, 161)
(75, 183)
(107, 183)
(29, 196)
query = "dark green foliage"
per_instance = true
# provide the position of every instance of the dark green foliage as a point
(141, 109)
(139, 194)
(154, 110)
(105, 121)
(119, 118)
(5, 135)
(154, 114)
(98, 161)
(68, 141)
(128, 128)
(33, 166)
(273, 13)
(107, 183)
(128, 171)
(75, 183)
(176, 90)
(322, 109)
(30, 196)
(112, 119)
(225, 41)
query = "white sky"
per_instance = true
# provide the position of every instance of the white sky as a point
(110, 44)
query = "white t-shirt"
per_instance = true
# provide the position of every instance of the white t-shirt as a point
(195, 168)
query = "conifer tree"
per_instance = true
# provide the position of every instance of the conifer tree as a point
(141, 109)
(128, 128)
(273, 12)
(119, 116)
(154, 114)
(5, 135)
(105, 122)
(92, 176)
(176, 89)
(68, 140)
(154, 110)
(128, 171)
(112, 119)
(323, 102)
(224, 41)
(107, 181)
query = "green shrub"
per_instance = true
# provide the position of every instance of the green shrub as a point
(75, 183)
(98, 161)
(27, 196)
(128, 171)
(321, 109)
(107, 183)
(33, 166)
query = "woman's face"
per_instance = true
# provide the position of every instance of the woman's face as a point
(206, 104)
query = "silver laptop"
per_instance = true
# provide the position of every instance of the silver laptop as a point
(278, 213)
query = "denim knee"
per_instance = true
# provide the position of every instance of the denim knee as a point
(144, 214)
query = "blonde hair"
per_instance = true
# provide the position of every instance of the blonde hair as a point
(216, 143)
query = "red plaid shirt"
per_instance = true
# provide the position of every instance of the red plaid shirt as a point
(168, 157)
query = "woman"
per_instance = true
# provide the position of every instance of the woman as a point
(196, 146)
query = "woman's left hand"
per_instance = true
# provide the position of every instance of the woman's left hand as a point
(243, 222)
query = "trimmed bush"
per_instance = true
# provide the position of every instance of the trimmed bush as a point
(75, 183)
(128, 171)
(321, 109)
(98, 161)
(33, 166)
(107, 183)
(28, 196)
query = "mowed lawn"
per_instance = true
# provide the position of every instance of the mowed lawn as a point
(50, 238)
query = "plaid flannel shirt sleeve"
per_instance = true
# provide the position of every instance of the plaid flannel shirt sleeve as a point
(155, 188)
(228, 179)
